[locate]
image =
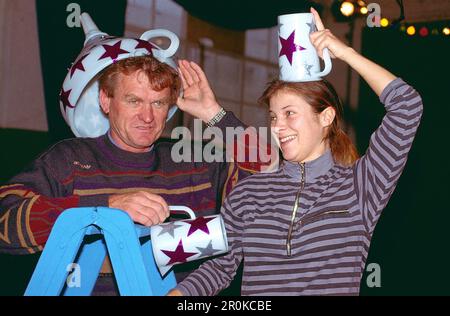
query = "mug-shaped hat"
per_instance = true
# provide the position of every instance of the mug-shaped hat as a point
(79, 96)
(297, 57)
(187, 240)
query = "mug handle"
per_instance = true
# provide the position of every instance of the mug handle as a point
(174, 41)
(179, 209)
(327, 60)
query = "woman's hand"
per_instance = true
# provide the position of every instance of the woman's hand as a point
(174, 292)
(323, 38)
(376, 76)
(198, 98)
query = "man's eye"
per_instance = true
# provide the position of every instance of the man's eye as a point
(288, 113)
(273, 118)
(159, 103)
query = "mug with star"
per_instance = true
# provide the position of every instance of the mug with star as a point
(297, 57)
(187, 240)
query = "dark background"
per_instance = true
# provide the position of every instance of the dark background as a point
(411, 240)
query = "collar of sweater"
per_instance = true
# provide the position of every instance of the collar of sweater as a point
(313, 169)
(112, 141)
(125, 158)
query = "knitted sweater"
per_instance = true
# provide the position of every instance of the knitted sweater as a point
(336, 217)
(85, 171)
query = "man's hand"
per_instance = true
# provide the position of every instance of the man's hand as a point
(198, 99)
(143, 207)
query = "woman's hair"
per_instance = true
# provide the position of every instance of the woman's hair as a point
(320, 95)
(160, 75)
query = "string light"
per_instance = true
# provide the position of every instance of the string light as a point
(347, 8)
(411, 30)
(423, 31)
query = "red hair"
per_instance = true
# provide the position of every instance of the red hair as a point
(160, 75)
(320, 95)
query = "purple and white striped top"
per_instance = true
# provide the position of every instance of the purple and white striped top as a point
(337, 212)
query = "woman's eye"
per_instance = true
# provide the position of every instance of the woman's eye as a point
(273, 118)
(288, 113)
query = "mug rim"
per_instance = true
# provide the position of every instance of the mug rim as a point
(296, 14)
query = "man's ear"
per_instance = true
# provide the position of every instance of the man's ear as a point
(327, 116)
(105, 101)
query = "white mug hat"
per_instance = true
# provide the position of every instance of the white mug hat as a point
(79, 96)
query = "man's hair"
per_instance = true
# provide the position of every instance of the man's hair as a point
(160, 75)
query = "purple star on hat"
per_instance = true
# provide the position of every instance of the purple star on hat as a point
(113, 51)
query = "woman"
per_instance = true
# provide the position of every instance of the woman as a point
(306, 228)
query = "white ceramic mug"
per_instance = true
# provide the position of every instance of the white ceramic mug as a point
(187, 240)
(297, 57)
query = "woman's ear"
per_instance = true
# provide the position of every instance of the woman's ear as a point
(327, 116)
(105, 101)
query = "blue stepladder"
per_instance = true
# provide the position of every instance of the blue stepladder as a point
(67, 248)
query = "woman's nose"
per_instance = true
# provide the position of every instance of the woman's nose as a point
(278, 126)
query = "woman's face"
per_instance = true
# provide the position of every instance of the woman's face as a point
(299, 131)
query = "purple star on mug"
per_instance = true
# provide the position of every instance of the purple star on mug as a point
(199, 224)
(178, 255)
(288, 47)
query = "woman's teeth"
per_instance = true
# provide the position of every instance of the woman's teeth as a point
(287, 139)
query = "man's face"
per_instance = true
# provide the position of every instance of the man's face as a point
(137, 114)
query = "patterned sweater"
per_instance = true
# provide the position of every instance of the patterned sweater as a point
(85, 171)
(337, 212)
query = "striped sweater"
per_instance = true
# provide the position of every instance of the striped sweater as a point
(336, 217)
(85, 171)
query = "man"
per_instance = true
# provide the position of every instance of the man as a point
(127, 168)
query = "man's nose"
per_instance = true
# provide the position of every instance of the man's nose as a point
(147, 114)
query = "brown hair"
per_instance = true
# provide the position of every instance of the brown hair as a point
(160, 75)
(320, 95)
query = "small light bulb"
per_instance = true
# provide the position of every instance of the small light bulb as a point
(347, 8)
(411, 30)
